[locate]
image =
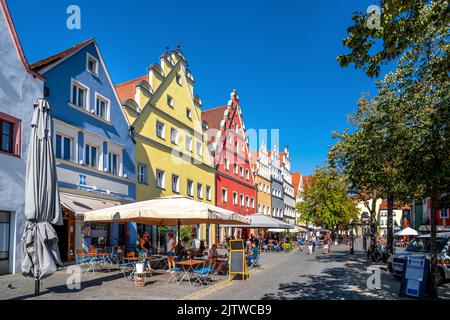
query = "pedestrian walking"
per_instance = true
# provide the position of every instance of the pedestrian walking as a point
(314, 243)
(325, 246)
(310, 246)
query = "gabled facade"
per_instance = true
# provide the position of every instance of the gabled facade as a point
(262, 171)
(235, 182)
(93, 148)
(276, 181)
(172, 157)
(19, 89)
(288, 187)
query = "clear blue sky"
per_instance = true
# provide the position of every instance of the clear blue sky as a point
(279, 55)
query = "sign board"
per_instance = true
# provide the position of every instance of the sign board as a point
(237, 263)
(415, 273)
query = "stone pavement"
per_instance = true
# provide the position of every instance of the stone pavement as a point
(293, 275)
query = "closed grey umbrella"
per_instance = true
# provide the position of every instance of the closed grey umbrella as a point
(40, 254)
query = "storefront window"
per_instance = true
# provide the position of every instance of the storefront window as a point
(100, 234)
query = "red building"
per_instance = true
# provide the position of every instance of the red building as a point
(235, 184)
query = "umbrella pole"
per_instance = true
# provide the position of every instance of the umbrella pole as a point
(37, 285)
(178, 235)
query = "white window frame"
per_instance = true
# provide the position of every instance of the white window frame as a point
(199, 190)
(247, 201)
(90, 56)
(242, 200)
(72, 146)
(77, 83)
(227, 163)
(190, 190)
(208, 193)
(161, 134)
(235, 198)
(174, 141)
(170, 101)
(178, 78)
(107, 115)
(97, 155)
(224, 198)
(189, 142)
(189, 113)
(160, 182)
(199, 148)
(118, 162)
(446, 216)
(142, 176)
(236, 169)
(247, 174)
(175, 183)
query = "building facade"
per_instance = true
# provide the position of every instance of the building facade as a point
(276, 181)
(171, 152)
(288, 187)
(235, 182)
(262, 172)
(19, 89)
(93, 148)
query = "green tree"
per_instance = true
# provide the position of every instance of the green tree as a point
(416, 33)
(327, 202)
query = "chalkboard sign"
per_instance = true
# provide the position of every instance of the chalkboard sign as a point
(238, 265)
(237, 244)
(237, 262)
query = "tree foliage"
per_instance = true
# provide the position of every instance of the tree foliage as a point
(326, 201)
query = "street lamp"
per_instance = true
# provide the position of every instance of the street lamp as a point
(352, 243)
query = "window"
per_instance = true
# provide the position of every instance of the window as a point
(224, 195)
(247, 174)
(7, 141)
(189, 143)
(208, 193)
(235, 168)
(175, 183)
(253, 203)
(227, 163)
(190, 188)
(247, 200)
(160, 183)
(113, 163)
(444, 213)
(230, 139)
(199, 149)
(236, 147)
(92, 65)
(169, 101)
(178, 77)
(189, 113)
(101, 107)
(160, 130)
(199, 190)
(242, 172)
(174, 136)
(79, 95)
(142, 173)
(242, 200)
(235, 198)
(90, 156)
(63, 147)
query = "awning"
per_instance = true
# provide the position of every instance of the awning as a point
(259, 220)
(167, 211)
(82, 204)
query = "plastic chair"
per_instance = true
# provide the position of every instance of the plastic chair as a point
(175, 274)
(203, 275)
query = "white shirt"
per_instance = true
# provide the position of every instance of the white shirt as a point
(170, 245)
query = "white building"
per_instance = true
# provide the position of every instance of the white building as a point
(19, 89)
(288, 187)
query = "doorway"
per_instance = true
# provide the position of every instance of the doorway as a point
(66, 236)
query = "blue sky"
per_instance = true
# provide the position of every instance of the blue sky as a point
(279, 55)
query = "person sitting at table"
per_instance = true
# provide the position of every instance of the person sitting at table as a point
(170, 251)
(254, 254)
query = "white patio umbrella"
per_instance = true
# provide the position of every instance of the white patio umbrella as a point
(259, 220)
(167, 211)
(407, 232)
(40, 254)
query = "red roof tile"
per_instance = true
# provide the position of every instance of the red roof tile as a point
(214, 116)
(39, 65)
(126, 90)
(296, 181)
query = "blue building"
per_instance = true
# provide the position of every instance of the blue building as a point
(93, 147)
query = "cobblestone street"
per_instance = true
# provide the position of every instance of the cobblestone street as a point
(293, 275)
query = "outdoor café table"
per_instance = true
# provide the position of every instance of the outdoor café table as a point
(188, 268)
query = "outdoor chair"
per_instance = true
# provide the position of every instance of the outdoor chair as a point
(175, 275)
(254, 263)
(203, 275)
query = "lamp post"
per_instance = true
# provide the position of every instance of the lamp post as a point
(352, 243)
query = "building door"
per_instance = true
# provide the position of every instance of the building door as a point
(71, 239)
(66, 236)
(5, 224)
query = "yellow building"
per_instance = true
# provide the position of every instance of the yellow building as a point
(171, 154)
